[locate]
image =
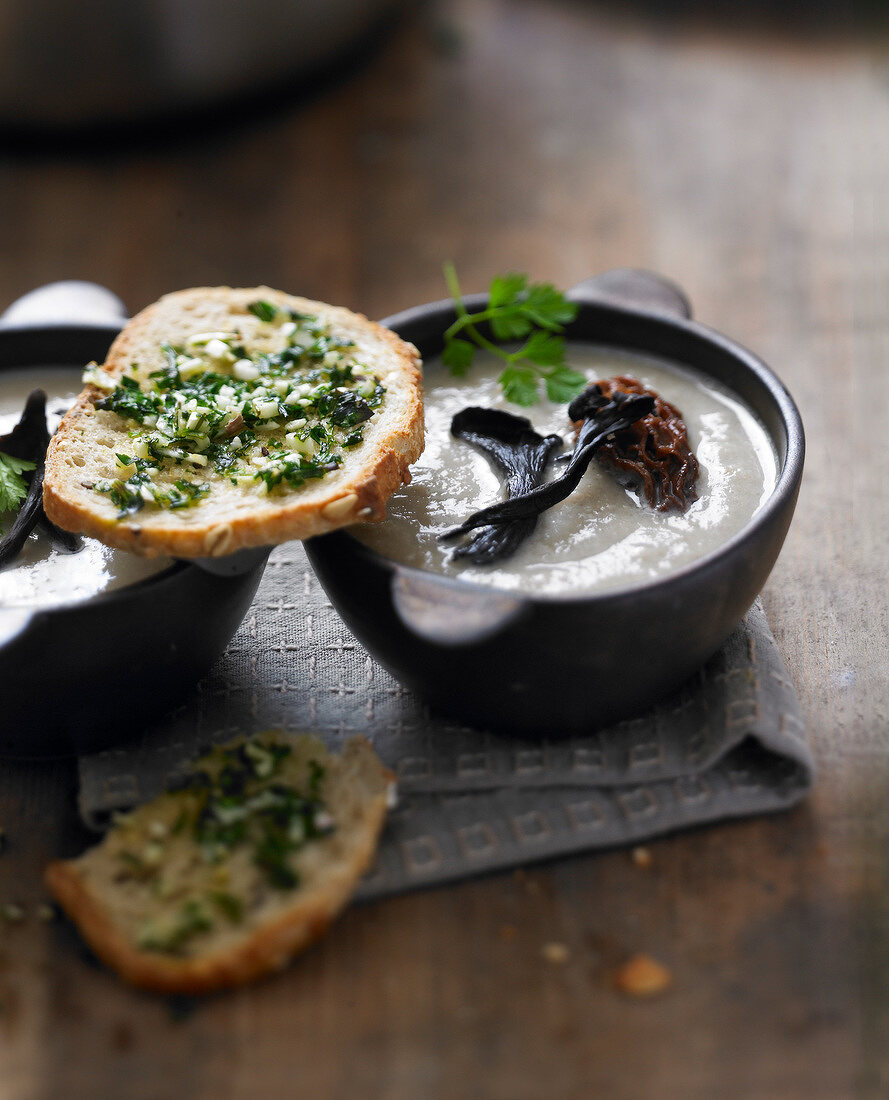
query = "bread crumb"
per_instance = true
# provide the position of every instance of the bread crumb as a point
(642, 976)
(556, 953)
(641, 857)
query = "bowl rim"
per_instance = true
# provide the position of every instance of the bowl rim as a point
(783, 492)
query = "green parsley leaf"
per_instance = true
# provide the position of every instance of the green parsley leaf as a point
(458, 356)
(229, 904)
(563, 384)
(517, 310)
(549, 307)
(13, 487)
(511, 323)
(265, 311)
(544, 349)
(505, 289)
(519, 385)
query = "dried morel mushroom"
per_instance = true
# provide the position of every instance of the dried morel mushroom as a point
(653, 451)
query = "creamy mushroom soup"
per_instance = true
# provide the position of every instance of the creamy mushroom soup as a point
(42, 576)
(603, 536)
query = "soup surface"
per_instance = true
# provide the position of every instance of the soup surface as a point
(603, 536)
(42, 576)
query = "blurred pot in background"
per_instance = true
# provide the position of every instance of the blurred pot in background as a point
(106, 61)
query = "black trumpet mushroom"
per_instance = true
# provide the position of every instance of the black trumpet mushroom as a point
(510, 521)
(28, 441)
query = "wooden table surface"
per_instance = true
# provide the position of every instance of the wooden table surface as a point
(749, 162)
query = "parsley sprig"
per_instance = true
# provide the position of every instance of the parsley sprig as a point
(13, 487)
(533, 313)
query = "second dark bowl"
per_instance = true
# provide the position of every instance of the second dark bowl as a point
(550, 665)
(83, 676)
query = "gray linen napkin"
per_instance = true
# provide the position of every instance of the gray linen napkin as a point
(729, 743)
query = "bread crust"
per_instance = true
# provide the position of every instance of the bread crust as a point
(228, 521)
(263, 950)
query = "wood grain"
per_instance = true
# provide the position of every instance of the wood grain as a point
(746, 160)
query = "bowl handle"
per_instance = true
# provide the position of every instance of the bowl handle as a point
(71, 302)
(634, 289)
(440, 611)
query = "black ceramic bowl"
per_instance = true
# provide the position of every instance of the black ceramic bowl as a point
(81, 676)
(545, 664)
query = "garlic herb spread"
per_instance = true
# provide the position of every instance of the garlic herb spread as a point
(239, 805)
(271, 420)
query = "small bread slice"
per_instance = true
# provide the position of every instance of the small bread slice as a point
(224, 880)
(235, 511)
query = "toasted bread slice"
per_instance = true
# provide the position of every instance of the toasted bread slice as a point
(315, 422)
(226, 879)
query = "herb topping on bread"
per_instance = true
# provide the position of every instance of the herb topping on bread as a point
(230, 418)
(227, 876)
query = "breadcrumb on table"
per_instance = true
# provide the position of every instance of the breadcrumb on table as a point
(642, 976)
(556, 953)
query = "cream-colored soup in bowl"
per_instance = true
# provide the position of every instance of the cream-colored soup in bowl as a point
(609, 605)
(604, 535)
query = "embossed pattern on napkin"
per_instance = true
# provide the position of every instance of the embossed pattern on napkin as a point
(729, 743)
